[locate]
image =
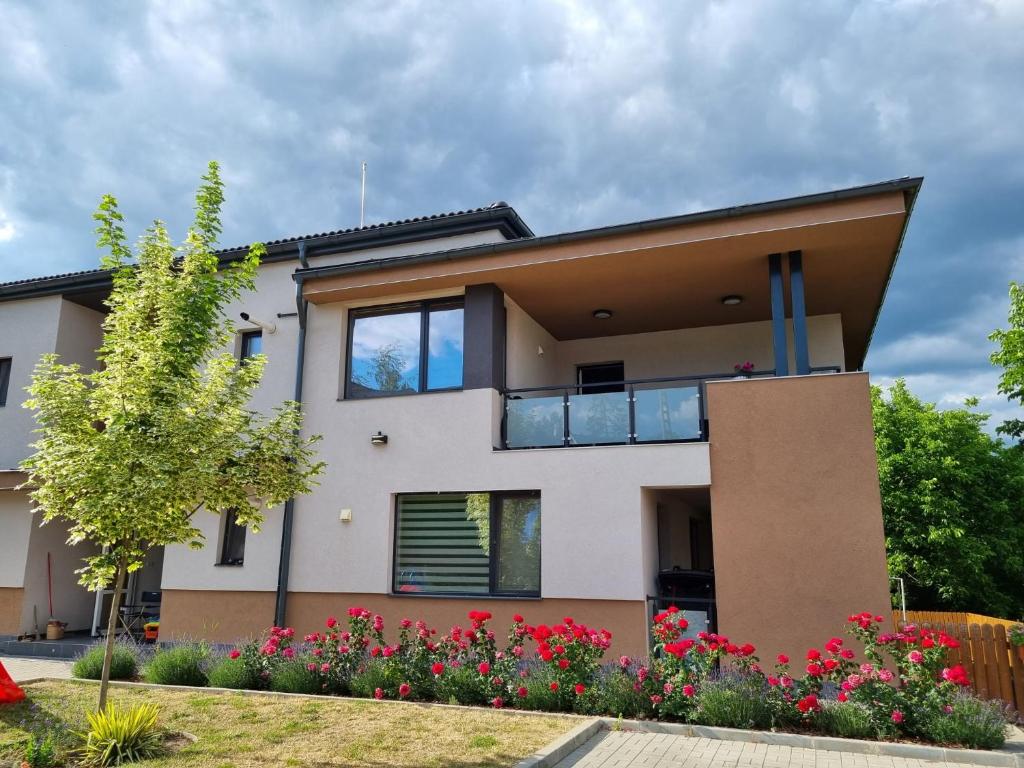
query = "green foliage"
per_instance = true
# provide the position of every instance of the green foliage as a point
(462, 685)
(1010, 357)
(183, 664)
(232, 673)
(953, 504)
(848, 720)
(616, 694)
(118, 736)
(293, 676)
(376, 674)
(40, 752)
(128, 453)
(733, 701)
(123, 666)
(971, 723)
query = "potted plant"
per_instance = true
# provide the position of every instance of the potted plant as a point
(744, 370)
(1016, 638)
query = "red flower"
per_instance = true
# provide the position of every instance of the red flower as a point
(563, 663)
(437, 668)
(579, 688)
(484, 668)
(896, 716)
(830, 664)
(235, 653)
(559, 649)
(688, 690)
(813, 655)
(378, 693)
(403, 690)
(782, 658)
(497, 703)
(842, 696)
(517, 618)
(521, 692)
(554, 686)
(846, 653)
(808, 703)
(814, 670)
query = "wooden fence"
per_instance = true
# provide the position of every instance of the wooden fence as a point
(995, 667)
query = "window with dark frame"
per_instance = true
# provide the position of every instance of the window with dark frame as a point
(405, 349)
(468, 544)
(232, 550)
(5, 379)
(252, 344)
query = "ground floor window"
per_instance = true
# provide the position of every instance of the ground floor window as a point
(232, 550)
(468, 543)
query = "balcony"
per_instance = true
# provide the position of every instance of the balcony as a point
(632, 412)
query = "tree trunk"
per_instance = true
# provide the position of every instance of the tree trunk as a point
(108, 654)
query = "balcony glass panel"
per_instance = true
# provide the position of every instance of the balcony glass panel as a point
(666, 412)
(599, 418)
(535, 422)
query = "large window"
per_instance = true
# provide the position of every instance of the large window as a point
(405, 349)
(5, 379)
(468, 543)
(232, 549)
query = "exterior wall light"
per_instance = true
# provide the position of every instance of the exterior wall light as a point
(603, 314)
(379, 439)
(732, 300)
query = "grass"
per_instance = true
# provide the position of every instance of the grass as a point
(239, 731)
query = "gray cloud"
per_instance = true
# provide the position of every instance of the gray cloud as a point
(578, 113)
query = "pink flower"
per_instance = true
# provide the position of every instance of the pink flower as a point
(311, 667)
(885, 675)
(331, 622)
(688, 690)
(667, 688)
(656, 699)
(235, 653)
(521, 692)
(916, 657)
(897, 716)
(378, 693)
(325, 668)
(403, 690)
(288, 653)
(867, 669)
(623, 661)
(497, 702)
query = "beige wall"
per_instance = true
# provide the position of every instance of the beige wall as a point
(230, 616)
(685, 352)
(15, 529)
(72, 602)
(795, 509)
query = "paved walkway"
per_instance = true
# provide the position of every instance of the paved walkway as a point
(626, 749)
(25, 668)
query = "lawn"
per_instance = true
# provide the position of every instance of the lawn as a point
(238, 731)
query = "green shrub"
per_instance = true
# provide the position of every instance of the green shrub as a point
(293, 676)
(375, 674)
(970, 723)
(616, 694)
(40, 752)
(232, 673)
(733, 701)
(847, 720)
(183, 664)
(124, 664)
(461, 685)
(539, 695)
(117, 736)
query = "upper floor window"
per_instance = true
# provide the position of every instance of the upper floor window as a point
(405, 349)
(252, 344)
(5, 379)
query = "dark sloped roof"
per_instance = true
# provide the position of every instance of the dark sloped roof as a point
(499, 215)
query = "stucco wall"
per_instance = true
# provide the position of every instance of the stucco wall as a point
(15, 528)
(531, 353)
(28, 329)
(795, 509)
(71, 602)
(79, 334)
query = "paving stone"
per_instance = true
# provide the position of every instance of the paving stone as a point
(25, 668)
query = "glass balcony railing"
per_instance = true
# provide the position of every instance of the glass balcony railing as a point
(641, 411)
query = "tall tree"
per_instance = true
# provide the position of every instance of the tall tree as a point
(953, 504)
(1010, 357)
(129, 453)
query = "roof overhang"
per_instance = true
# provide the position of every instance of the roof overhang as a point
(669, 273)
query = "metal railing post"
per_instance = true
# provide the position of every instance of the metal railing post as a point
(632, 415)
(566, 434)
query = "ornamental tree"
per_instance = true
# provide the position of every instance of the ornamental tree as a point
(129, 453)
(1010, 357)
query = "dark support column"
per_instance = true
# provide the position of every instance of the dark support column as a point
(796, 289)
(483, 357)
(778, 315)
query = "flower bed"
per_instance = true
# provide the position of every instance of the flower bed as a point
(882, 685)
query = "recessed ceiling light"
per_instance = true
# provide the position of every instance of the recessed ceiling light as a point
(732, 300)
(602, 314)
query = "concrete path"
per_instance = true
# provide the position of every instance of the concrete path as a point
(27, 668)
(629, 749)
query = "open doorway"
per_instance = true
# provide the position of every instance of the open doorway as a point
(685, 575)
(140, 599)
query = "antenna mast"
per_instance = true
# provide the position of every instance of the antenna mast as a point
(362, 198)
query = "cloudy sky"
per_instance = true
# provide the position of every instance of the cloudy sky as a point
(579, 114)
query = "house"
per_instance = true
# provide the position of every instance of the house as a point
(591, 424)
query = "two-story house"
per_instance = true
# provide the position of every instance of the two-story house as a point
(593, 424)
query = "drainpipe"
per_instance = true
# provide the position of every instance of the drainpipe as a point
(281, 604)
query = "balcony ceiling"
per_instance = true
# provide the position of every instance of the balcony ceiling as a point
(670, 277)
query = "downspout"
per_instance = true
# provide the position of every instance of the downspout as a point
(281, 604)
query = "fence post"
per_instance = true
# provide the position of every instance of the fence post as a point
(978, 661)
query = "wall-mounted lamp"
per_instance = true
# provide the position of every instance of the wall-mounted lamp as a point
(379, 439)
(732, 300)
(268, 327)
